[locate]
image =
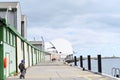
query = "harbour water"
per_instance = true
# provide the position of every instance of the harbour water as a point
(107, 65)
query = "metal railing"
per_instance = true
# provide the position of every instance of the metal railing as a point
(116, 72)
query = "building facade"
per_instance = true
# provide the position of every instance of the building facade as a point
(14, 47)
(38, 44)
(11, 11)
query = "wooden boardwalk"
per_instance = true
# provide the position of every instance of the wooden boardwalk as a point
(59, 71)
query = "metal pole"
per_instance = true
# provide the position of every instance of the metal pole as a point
(81, 61)
(42, 43)
(75, 60)
(89, 62)
(99, 64)
(6, 15)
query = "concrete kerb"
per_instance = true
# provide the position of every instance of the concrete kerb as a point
(103, 74)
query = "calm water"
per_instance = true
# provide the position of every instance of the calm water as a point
(107, 65)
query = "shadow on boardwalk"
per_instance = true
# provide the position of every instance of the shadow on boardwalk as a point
(58, 71)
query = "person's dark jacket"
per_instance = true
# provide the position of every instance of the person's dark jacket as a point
(21, 67)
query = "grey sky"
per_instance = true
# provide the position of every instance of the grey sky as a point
(83, 22)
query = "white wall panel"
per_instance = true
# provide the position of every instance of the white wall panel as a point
(26, 55)
(19, 55)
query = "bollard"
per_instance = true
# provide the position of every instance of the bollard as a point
(81, 62)
(99, 64)
(75, 61)
(89, 62)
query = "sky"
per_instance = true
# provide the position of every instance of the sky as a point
(91, 26)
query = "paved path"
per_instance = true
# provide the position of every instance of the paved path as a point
(58, 71)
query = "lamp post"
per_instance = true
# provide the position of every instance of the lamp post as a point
(42, 43)
(8, 9)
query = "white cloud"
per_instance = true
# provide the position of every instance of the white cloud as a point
(82, 22)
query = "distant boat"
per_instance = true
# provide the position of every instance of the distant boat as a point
(70, 60)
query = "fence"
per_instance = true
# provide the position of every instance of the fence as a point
(89, 62)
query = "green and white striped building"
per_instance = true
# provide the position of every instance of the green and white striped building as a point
(13, 46)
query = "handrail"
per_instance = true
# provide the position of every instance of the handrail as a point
(116, 72)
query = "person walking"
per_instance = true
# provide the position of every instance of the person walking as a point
(22, 69)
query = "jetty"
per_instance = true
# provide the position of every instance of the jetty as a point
(58, 70)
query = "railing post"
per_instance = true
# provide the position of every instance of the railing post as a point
(75, 61)
(81, 62)
(99, 64)
(89, 62)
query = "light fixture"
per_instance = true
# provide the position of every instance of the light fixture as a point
(1, 42)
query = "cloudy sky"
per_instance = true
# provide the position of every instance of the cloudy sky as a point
(92, 26)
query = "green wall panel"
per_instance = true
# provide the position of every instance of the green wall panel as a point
(9, 50)
(1, 54)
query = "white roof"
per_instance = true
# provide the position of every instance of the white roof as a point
(61, 45)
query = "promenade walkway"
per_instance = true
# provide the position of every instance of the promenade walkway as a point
(58, 71)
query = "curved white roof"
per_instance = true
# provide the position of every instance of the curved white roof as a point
(62, 46)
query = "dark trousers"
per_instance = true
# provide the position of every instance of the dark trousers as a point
(22, 75)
